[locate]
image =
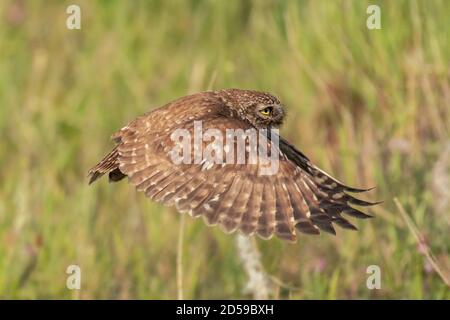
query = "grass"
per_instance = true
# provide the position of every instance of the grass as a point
(372, 107)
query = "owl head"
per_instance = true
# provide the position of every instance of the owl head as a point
(261, 109)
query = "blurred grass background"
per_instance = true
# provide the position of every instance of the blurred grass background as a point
(371, 107)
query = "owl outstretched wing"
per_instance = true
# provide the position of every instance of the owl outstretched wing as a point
(236, 196)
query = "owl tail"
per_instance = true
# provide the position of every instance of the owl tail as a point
(110, 165)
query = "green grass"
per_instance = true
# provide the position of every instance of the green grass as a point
(371, 107)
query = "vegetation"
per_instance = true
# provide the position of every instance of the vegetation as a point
(370, 106)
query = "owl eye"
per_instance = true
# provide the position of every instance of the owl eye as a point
(267, 111)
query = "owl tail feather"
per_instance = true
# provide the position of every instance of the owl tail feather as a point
(110, 165)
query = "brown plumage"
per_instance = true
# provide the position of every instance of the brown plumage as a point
(298, 197)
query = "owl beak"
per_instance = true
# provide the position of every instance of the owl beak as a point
(279, 110)
(278, 115)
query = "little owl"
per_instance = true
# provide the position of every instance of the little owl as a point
(298, 196)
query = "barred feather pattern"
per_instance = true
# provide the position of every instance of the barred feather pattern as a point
(300, 197)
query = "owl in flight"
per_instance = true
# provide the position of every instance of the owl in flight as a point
(236, 196)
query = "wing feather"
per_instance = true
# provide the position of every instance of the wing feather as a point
(233, 218)
(266, 222)
(251, 216)
(284, 215)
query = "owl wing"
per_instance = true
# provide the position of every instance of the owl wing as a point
(299, 196)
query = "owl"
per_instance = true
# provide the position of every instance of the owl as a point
(297, 197)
